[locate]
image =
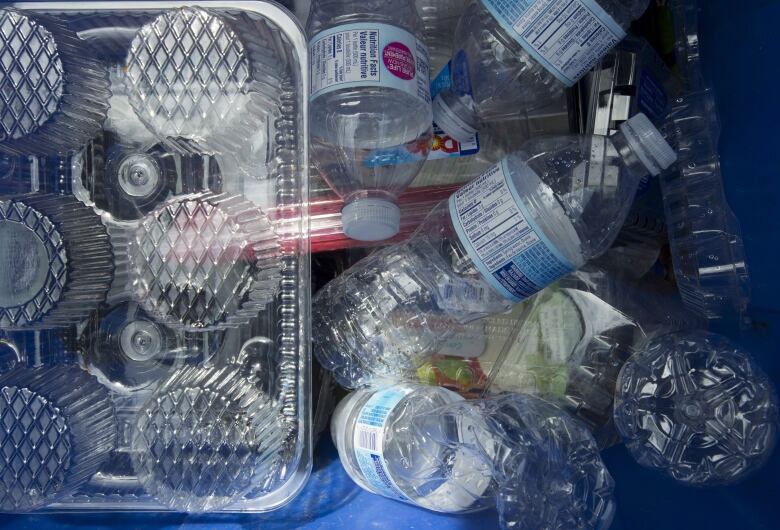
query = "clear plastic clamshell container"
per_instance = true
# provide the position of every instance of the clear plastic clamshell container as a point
(154, 265)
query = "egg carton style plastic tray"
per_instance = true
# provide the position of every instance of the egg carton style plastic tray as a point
(154, 261)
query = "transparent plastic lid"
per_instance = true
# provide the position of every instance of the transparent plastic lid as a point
(154, 259)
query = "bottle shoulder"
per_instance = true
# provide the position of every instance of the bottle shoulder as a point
(327, 14)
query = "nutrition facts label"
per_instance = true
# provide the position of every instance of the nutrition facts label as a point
(365, 54)
(344, 57)
(501, 238)
(568, 37)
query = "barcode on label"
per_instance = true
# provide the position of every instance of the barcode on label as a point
(367, 440)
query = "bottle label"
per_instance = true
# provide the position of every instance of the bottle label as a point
(502, 238)
(367, 54)
(568, 37)
(443, 146)
(651, 97)
(370, 428)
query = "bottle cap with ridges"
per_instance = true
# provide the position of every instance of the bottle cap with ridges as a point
(371, 219)
(649, 144)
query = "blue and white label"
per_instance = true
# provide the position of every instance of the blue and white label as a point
(652, 99)
(368, 54)
(369, 438)
(501, 237)
(568, 37)
(443, 146)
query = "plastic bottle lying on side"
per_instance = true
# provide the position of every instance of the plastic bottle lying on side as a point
(546, 466)
(371, 119)
(371, 429)
(429, 447)
(511, 56)
(525, 223)
(697, 408)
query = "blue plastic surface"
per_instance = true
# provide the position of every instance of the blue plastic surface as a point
(740, 49)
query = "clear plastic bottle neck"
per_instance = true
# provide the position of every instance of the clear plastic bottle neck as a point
(636, 169)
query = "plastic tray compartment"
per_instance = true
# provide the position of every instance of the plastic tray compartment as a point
(154, 271)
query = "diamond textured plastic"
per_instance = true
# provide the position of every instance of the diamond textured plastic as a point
(203, 437)
(205, 260)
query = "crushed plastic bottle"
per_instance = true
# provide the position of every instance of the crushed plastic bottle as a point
(697, 408)
(371, 429)
(546, 466)
(571, 340)
(511, 56)
(371, 119)
(708, 252)
(525, 223)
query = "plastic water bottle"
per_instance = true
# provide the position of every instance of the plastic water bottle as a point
(440, 18)
(697, 408)
(52, 274)
(371, 429)
(511, 56)
(520, 226)
(371, 120)
(546, 466)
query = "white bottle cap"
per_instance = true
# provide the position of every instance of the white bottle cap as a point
(649, 144)
(451, 123)
(371, 219)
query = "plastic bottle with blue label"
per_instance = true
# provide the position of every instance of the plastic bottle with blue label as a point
(381, 453)
(539, 214)
(510, 56)
(370, 107)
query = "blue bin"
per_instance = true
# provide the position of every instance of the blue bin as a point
(740, 50)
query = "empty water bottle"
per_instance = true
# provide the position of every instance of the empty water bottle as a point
(384, 456)
(696, 407)
(530, 220)
(511, 56)
(371, 121)
(546, 466)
